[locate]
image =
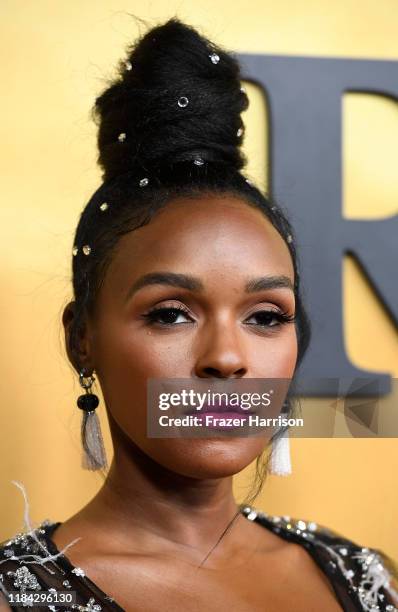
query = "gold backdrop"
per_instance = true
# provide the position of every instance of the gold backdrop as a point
(56, 58)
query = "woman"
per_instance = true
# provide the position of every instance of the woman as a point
(162, 256)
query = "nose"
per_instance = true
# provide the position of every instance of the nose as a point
(220, 355)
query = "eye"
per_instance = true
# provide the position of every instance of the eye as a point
(166, 315)
(267, 316)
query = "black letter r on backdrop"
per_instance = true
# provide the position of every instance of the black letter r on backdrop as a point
(305, 99)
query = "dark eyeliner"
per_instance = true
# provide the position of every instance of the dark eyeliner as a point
(151, 316)
(283, 318)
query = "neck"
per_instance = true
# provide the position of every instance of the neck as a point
(144, 506)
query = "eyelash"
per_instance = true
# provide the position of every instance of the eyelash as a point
(152, 315)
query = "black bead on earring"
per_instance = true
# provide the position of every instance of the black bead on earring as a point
(88, 401)
(94, 455)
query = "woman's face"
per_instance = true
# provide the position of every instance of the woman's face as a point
(220, 242)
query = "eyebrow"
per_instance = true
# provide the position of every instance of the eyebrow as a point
(186, 281)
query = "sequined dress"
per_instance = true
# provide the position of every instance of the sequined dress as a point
(362, 578)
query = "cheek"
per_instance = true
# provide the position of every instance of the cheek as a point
(288, 356)
(140, 354)
(125, 360)
(277, 357)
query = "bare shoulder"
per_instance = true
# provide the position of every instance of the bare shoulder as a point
(87, 546)
(352, 564)
(303, 564)
(296, 560)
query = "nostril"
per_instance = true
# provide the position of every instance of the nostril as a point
(213, 372)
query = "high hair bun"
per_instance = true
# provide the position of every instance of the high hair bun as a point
(177, 98)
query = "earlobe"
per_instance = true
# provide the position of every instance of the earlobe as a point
(76, 338)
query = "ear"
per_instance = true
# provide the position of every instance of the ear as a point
(77, 340)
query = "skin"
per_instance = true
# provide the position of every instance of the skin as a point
(166, 502)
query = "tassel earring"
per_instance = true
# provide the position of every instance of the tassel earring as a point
(280, 464)
(94, 455)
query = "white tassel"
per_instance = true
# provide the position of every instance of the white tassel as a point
(280, 464)
(94, 454)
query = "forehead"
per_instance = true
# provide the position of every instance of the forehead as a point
(203, 235)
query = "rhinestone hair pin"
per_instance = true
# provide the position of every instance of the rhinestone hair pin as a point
(86, 249)
(183, 102)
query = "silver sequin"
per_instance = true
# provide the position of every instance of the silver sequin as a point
(90, 606)
(183, 101)
(24, 579)
(104, 206)
(86, 249)
(289, 238)
(75, 250)
(198, 161)
(144, 182)
(122, 137)
(129, 65)
(239, 132)
(214, 58)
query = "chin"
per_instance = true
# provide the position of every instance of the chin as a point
(207, 458)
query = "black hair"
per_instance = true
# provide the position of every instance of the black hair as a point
(169, 126)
